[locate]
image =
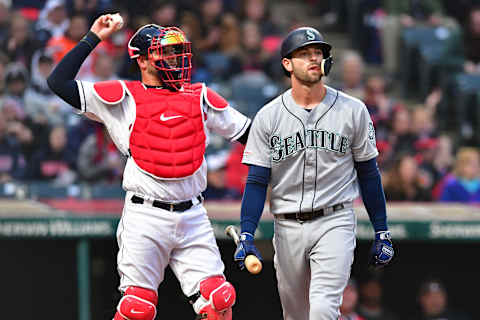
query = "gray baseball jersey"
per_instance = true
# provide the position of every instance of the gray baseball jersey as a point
(311, 154)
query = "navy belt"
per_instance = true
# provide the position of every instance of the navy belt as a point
(179, 206)
(305, 216)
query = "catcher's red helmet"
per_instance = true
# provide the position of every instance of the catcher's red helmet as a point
(168, 49)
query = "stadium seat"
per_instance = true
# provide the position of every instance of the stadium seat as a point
(47, 190)
(13, 190)
(465, 103)
(427, 58)
(106, 191)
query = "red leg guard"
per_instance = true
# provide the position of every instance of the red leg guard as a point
(220, 296)
(137, 304)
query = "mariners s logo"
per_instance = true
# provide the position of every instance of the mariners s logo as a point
(371, 131)
(309, 35)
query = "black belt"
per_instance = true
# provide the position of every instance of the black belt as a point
(305, 216)
(180, 206)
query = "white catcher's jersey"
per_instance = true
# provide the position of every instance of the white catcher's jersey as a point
(118, 118)
(311, 154)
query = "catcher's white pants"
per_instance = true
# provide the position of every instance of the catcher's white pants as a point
(150, 238)
(313, 261)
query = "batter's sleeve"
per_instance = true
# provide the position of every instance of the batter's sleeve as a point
(364, 143)
(257, 150)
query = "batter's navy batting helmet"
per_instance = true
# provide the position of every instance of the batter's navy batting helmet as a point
(302, 37)
(170, 52)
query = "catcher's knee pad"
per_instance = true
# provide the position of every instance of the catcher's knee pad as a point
(137, 304)
(215, 299)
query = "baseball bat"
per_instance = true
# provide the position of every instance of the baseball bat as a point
(253, 264)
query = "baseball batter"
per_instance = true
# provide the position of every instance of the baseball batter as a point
(161, 124)
(316, 147)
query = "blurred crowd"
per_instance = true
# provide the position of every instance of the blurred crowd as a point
(364, 299)
(415, 88)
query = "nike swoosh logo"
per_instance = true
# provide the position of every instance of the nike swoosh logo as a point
(163, 118)
(134, 311)
(228, 297)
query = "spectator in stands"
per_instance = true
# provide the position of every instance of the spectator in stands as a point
(52, 21)
(385, 155)
(381, 106)
(253, 57)
(99, 160)
(370, 300)
(210, 19)
(423, 123)
(78, 132)
(431, 169)
(13, 102)
(4, 18)
(41, 105)
(352, 76)
(103, 68)
(53, 162)
(257, 11)
(88, 8)
(471, 42)
(19, 44)
(236, 171)
(368, 30)
(190, 24)
(443, 163)
(225, 62)
(464, 184)
(30, 136)
(164, 13)
(403, 181)
(349, 302)
(12, 164)
(399, 133)
(230, 46)
(3, 66)
(216, 187)
(61, 45)
(230, 36)
(433, 301)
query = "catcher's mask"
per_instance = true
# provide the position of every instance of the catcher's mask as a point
(167, 49)
(302, 37)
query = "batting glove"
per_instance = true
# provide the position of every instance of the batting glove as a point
(245, 247)
(381, 252)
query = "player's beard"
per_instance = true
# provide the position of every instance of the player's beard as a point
(306, 77)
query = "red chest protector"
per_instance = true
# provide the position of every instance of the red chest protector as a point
(168, 137)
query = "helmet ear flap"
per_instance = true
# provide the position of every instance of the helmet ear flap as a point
(326, 65)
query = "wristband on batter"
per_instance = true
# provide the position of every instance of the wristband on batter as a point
(246, 236)
(91, 39)
(383, 235)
